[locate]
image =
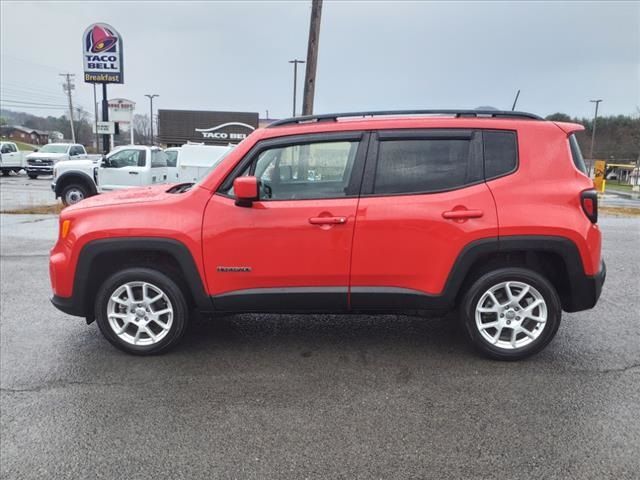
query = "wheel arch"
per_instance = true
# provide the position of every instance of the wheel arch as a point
(99, 259)
(75, 177)
(556, 258)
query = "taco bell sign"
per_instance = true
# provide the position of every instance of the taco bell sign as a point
(102, 54)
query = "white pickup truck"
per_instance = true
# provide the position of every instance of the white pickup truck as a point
(192, 161)
(124, 167)
(11, 159)
(41, 161)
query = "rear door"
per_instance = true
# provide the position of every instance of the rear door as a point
(289, 251)
(158, 173)
(423, 200)
(123, 169)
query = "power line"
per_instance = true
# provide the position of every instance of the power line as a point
(32, 103)
(29, 95)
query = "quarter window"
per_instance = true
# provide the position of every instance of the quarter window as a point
(306, 171)
(422, 166)
(500, 153)
(576, 154)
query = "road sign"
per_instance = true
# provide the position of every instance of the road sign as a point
(104, 128)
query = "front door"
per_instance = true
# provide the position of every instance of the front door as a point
(123, 169)
(289, 251)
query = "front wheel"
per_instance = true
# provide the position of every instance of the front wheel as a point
(511, 313)
(32, 176)
(141, 311)
(5, 173)
(73, 193)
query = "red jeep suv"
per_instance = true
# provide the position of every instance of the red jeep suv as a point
(489, 212)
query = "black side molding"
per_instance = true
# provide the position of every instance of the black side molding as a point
(283, 300)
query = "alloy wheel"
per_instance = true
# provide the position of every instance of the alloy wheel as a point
(140, 313)
(511, 315)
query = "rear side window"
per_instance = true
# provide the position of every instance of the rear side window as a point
(576, 154)
(422, 166)
(500, 153)
(158, 159)
(172, 158)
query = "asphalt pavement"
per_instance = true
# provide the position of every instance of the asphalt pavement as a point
(271, 396)
(19, 191)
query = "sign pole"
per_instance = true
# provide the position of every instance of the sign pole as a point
(105, 118)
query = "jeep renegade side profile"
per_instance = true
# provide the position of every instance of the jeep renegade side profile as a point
(488, 212)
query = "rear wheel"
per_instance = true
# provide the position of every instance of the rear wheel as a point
(6, 173)
(74, 193)
(511, 313)
(32, 176)
(141, 311)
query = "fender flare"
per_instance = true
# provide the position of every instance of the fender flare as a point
(80, 305)
(80, 175)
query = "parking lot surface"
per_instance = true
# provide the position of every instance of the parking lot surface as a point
(19, 191)
(272, 396)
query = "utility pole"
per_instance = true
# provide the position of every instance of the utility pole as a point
(295, 82)
(151, 97)
(593, 132)
(95, 112)
(312, 57)
(68, 86)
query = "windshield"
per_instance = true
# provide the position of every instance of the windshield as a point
(215, 164)
(54, 148)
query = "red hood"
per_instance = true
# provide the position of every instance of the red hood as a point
(120, 197)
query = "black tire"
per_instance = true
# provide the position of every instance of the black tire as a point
(482, 285)
(73, 193)
(6, 173)
(32, 176)
(159, 280)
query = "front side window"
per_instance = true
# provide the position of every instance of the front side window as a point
(306, 171)
(158, 159)
(422, 165)
(127, 158)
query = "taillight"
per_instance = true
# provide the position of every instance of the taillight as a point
(589, 202)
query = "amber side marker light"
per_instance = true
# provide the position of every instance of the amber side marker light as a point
(64, 229)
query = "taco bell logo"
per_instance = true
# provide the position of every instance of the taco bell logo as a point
(102, 53)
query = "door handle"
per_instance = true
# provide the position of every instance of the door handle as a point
(327, 220)
(462, 214)
(133, 173)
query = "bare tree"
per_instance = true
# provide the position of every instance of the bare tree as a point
(141, 131)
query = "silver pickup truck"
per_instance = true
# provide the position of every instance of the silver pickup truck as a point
(41, 161)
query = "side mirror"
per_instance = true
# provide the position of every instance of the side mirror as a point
(104, 163)
(246, 190)
(35, 150)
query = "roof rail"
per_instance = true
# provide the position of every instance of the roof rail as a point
(456, 113)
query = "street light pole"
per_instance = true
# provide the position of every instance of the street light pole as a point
(295, 81)
(593, 131)
(151, 97)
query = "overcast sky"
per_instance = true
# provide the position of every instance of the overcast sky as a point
(373, 55)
